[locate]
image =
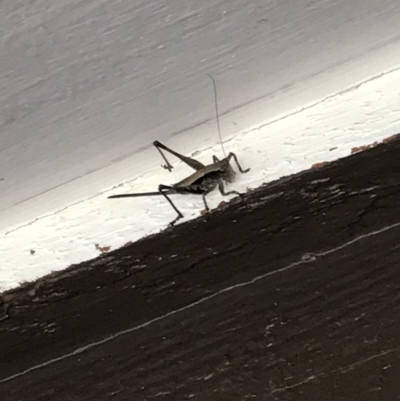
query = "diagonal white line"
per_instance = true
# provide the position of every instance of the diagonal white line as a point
(307, 258)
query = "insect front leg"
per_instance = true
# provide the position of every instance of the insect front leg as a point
(194, 164)
(208, 187)
(222, 189)
(237, 163)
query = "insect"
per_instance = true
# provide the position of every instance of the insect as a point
(205, 178)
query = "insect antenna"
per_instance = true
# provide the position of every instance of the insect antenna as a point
(217, 113)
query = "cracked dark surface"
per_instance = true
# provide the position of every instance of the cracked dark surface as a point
(303, 322)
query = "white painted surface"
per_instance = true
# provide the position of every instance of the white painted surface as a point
(85, 85)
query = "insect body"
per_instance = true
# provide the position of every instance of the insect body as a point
(204, 180)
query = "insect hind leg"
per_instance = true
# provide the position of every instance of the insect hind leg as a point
(163, 189)
(194, 164)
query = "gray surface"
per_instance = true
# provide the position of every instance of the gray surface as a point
(84, 83)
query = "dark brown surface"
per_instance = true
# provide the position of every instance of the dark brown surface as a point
(267, 299)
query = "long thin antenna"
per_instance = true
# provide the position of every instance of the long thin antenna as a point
(217, 114)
